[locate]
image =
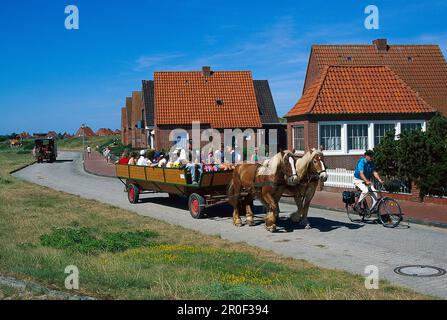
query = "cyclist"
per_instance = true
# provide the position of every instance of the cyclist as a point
(364, 171)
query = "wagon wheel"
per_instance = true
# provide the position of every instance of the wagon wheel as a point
(196, 206)
(133, 193)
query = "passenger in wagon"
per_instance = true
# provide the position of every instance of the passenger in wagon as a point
(142, 160)
(192, 167)
(124, 159)
(133, 159)
(163, 161)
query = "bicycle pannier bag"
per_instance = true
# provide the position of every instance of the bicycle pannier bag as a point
(348, 197)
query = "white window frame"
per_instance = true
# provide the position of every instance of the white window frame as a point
(343, 137)
(344, 133)
(293, 138)
(396, 128)
(423, 124)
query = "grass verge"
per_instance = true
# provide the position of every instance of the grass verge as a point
(122, 255)
(75, 144)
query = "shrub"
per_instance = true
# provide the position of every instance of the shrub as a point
(420, 157)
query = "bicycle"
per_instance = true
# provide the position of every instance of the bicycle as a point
(388, 210)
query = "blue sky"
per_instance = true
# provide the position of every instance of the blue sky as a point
(55, 79)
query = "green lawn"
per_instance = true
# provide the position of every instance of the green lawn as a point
(75, 144)
(122, 255)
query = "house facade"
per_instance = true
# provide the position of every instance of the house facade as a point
(354, 94)
(219, 100)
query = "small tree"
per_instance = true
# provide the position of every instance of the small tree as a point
(413, 159)
(420, 157)
(386, 157)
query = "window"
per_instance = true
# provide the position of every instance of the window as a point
(357, 136)
(298, 138)
(380, 129)
(404, 127)
(330, 136)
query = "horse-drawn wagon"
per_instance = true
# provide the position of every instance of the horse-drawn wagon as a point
(211, 190)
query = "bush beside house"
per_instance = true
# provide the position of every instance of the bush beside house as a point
(418, 156)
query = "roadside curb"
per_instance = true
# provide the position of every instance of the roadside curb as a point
(33, 287)
(405, 219)
(22, 167)
(95, 173)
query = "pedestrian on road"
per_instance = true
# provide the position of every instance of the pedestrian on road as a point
(89, 152)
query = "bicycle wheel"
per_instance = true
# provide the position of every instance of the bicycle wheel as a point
(353, 215)
(390, 214)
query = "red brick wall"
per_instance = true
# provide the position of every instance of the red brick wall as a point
(138, 136)
(310, 134)
(124, 137)
(162, 135)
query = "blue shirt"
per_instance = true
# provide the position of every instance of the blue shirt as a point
(365, 166)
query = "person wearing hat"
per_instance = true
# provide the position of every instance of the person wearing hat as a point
(142, 160)
(364, 171)
(162, 162)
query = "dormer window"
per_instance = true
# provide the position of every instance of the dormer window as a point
(410, 59)
(349, 58)
(219, 102)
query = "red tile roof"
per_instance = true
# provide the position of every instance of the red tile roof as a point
(88, 132)
(104, 132)
(225, 99)
(422, 67)
(359, 89)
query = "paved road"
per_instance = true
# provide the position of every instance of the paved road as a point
(334, 242)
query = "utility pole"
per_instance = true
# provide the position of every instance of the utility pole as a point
(83, 142)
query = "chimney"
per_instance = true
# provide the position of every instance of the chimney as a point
(381, 44)
(206, 71)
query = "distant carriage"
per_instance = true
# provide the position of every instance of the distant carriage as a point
(45, 150)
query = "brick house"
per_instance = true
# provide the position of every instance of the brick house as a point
(219, 100)
(354, 94)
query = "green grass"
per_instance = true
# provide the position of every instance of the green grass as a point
(75, 144)
(122, 255)
(85, 240)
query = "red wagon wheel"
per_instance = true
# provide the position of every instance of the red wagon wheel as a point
(196, 206)
(133, 193)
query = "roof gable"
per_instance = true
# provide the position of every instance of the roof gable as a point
(422, 67)
(359, 90)
(267, 110)
(223, 99)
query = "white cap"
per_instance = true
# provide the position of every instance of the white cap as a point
(142, 152)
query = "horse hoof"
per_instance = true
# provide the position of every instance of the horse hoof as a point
(308, 227)
(271, 228)
(238, 224)
(250, 223)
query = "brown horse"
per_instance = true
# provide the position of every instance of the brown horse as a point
(265, 182)
(310, 170)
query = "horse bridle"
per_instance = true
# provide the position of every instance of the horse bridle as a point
(316, 176)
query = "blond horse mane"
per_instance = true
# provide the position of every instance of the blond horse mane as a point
(270, 166)
(302, 164)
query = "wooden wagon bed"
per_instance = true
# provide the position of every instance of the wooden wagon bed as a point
(209, 191)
